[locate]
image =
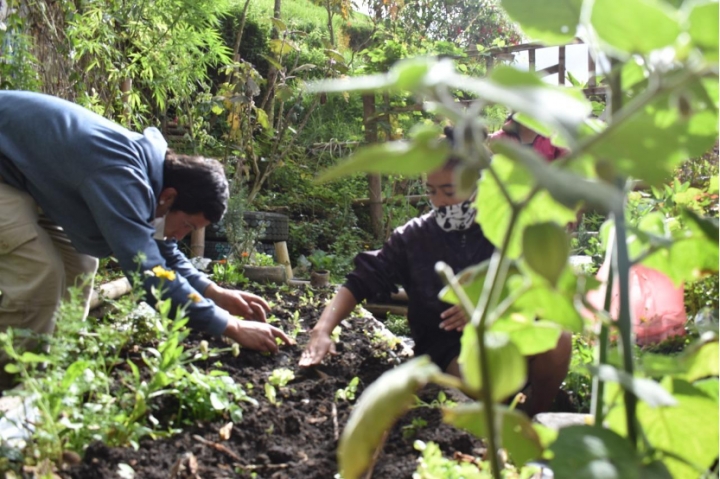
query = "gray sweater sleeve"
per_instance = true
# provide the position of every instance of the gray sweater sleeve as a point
(123, 206)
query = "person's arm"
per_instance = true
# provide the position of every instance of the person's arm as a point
(122, 205)
(320, 342)
(240, 303)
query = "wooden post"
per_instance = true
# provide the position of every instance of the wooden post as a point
(561, 65)
(531, 59)
(197, 243)
(283, 258)
(592, 75)
(374, 182)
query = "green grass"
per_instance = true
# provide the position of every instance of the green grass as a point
(302, 15)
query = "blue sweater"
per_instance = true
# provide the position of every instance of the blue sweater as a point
(100, 182)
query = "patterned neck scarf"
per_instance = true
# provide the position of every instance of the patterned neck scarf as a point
(457, 217)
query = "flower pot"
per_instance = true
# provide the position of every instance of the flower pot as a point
(318, 279)
(266, 274)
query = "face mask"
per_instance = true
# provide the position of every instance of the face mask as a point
(159, 224)
(457, 217)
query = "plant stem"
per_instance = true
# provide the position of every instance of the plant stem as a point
(479, 319)
(597, 407)
(625, 321)
(622, 261)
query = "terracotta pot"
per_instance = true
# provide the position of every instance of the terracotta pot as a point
(266, 274)
(318, 279)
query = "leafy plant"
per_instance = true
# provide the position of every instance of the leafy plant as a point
(348, 393)
(321, 261)
(280, 377)
(228, 272)
(411, 429)
(655, 118)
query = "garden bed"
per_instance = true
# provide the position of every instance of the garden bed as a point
(297, 436)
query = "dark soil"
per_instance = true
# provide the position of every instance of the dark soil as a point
(296, 438)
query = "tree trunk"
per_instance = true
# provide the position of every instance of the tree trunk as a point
(330, 24)
(374, 183)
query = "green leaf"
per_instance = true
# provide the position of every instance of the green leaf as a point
(282, 48)
(704, 28)
(682, 255)
(472, 279)
(560, 109)
(404, 74)
(518, 435)
(279, 25)
(592, 452)
(531, 337)
(710, 387)
(303, 68)
(656, 139)
(218, 403)
(552, 305)
(701, 359)
(262, 118)
(278, 66)
(644, 389)
(546, 247)
(380, 405)
(73, 372)
(549, 21)
(635, 26)
(12, 368)
(708, 225)
(28, 357)
(335, 55)
(507, 367)
(689, 429)
(400, 157)
(494, 211)
(566, 187)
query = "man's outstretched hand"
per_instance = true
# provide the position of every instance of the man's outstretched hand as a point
(319, 346)
(239, 303)
(254, 335)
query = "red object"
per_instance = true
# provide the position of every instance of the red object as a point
(657, 306)
(541, 144)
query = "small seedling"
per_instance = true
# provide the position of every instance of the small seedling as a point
(271, 393)
(348, 394)
(335, 335)
(281, 376)
(411, 429)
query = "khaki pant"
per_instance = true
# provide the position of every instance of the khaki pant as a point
(37, 265)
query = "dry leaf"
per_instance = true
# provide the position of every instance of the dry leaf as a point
(225, 431)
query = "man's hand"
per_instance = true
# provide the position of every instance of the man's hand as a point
(319, 346)
(257, 336)
(239, 303)
(453, 318)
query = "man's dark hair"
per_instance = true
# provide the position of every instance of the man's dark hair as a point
(200, 183)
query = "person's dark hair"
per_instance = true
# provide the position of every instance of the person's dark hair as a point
(200, 183)
(453, 161)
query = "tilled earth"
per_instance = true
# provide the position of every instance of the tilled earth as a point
(298, 436)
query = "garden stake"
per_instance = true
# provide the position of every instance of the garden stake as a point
(336, 429)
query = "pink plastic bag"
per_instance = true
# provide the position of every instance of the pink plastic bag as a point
(657, 306)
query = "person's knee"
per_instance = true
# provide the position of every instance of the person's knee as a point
(31, 298)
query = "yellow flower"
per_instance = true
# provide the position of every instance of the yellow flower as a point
(196, 298)
(161, 272)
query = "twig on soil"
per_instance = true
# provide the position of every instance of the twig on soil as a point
(217, 447)
(376, 455)
(336, 429)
